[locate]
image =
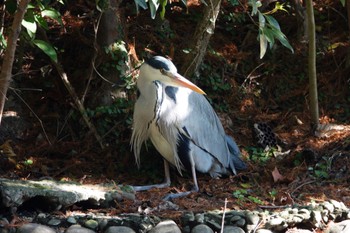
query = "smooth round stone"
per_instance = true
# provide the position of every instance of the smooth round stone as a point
(35, 228)
(252, 219)
(199, 218)
(78, 229)
(91, 224)
(233, 229)
(202, 228)
(71, 220)
(119, 229)
(166, 226)
(54, 222)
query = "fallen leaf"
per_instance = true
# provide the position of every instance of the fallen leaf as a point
(277, 175)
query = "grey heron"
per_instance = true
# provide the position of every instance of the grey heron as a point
(173, 113)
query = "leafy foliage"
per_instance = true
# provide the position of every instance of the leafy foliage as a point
(259, 155)
(154, 6)
(269, 28)
(36, 17)
(243, 195)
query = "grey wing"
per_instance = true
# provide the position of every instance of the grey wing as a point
(206, 131)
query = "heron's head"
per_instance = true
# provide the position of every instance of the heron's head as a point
(162, 69)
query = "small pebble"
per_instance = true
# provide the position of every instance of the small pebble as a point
(91, 224)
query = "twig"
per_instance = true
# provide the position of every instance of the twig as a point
(223, 217)
(35, 115)
(78, 103)
(309, 182)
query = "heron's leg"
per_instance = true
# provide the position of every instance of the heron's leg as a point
(165, 184)
(195, 187)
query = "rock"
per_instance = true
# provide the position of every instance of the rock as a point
(328, 206)
(91, 224)
(35, 228)
(55, 194)
(78, 229)
(167, 226)
(199, 218)
(232, 229)
(316, 218)
(215, 225)
(305, 213)
(119, 229)
(263, 231)
(54, 222)
(252, 219)
(202, 228)
(237, 221)
(71, 220)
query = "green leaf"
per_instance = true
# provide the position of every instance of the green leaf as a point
(41, 21)
(3, 42)
(47, 49)
(163, 3)
(262, 21)
(273, 22)
(153, 5)
(141, 3)
(29, 23)
(283, 39)
(263, 44)
(269, 35)
(255, 5)
(343, 2)
(53, 14)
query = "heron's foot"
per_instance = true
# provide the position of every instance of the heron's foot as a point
(171, 196)
(148, 187)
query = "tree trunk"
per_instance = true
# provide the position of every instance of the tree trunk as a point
(110, 29)
(312, 66)
(205, 29)
(6, 68)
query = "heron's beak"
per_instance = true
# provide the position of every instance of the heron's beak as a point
(182, 81)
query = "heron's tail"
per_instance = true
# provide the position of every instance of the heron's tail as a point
(236, 161)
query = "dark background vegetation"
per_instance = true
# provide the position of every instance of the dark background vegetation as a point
(43, 134)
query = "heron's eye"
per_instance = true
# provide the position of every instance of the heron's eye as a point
(162, 71)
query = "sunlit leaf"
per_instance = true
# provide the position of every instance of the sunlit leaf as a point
(141, 3)
(47, 49)
(41, 21)
(263, 44)
(343, 2)
(29, 23)
(163, 3)
(254, 7)
(3, 42)
(53, 14)
(28, 162)
(261, 20)
(153, 6)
